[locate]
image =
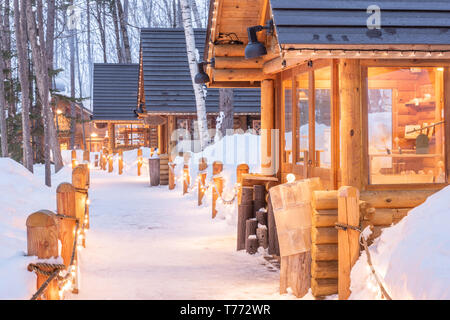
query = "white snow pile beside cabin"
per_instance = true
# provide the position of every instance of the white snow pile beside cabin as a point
(412, 258)
(21, 193)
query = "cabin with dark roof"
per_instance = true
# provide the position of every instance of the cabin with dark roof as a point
(166, 95)
(142, 104)
(354, 92)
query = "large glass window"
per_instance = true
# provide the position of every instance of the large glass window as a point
(322, 130)
(405, 125)
(287, 101)
(130, 135)
(302, 82)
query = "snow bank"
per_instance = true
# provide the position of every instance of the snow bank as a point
(21, 193)
(231, 150)
(412, 257)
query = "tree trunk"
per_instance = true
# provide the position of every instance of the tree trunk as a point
(24, 78)
(72, 88)
(123, 29)
(42, 78)
(116, 30)
(226, 102)
(193, 57)
(198, 20)
(100, 7)
(11, 101)
(3, 106)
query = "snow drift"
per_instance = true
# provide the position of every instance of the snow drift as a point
(412, 257)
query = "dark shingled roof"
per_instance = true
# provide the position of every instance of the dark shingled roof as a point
(167, 79)
(343, 22)
(115, 91)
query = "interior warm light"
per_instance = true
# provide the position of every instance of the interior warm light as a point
(93, 135)
(290, 178)
(440, 69)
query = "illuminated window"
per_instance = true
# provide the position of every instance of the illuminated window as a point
(405, 125)
(130, 135)
(302, 116)
(322, 115)
(287, 102)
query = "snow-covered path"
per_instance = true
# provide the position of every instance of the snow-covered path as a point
(152, 243)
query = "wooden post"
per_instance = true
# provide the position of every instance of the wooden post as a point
(186, 178)
(42, 241)
(259, 198)
(79, 181)
(96, 160)
(65, 202)
(139, 164)
(241, 169)
(251, 240)
(245, 212)
(202, 166)
(274, 247)
(351, 123)
(74, 159)
(348, 240)
(171, 176)
(268, 162)
(120, 162)
(171, 127)
(86, 156)
(218, 182)
(153, 169)
(110, 163)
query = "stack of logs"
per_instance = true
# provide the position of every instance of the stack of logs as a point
(378, 209)
(164, 169)
(252, 229)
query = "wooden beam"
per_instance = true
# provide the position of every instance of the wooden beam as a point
(447, 120)
(348, 239)
(267, 124)
(343, 54)
(351, 123)
(238, 63)
(229, 50)
(234, 84)
(238, 75)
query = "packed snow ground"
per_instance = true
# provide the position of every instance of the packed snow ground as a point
(144, 242)
(151, 243)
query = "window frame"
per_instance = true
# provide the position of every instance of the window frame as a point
(407, 63)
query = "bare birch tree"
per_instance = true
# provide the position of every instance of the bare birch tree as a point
(226, 101)
(124, 32)
(193, 57)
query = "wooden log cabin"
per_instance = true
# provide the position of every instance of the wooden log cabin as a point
(166, 97)
(354, 104)
(142, 104)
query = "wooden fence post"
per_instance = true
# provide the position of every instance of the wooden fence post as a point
(74, 159)
(139, 164)
(218, 183)
(171, 175)
(79, 181)
(42, 241)
(202, 166)
(120, 162)
(245, 212)
(186, 178)
(110, 162)
(348, 238)
(96, 160)
(65, 203)
(240, 170)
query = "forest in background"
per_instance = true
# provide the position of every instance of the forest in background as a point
(47, 50)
